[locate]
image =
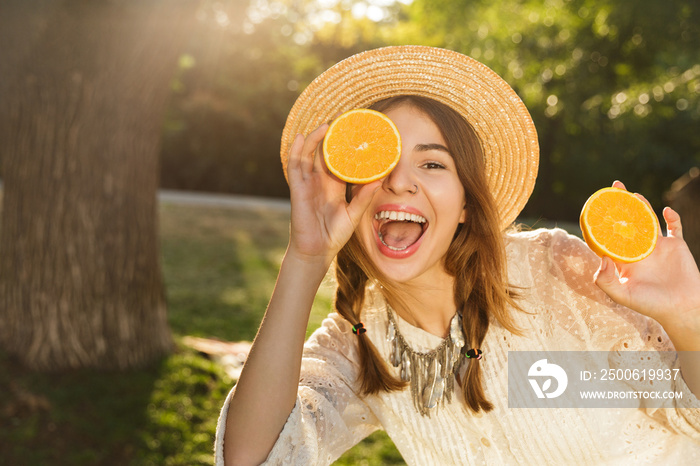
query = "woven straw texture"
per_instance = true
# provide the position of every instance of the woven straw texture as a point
(499, 117)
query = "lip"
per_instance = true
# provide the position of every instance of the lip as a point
(409, 251)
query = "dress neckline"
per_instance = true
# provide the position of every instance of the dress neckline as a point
(420, 339)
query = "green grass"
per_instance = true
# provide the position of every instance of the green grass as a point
(159, 416)
(233, 255)
(220, 265)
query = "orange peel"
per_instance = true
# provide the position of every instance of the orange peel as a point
(361, 146)
(618, 224)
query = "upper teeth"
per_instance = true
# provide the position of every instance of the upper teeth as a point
(401, 216)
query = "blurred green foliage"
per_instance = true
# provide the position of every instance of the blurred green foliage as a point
(613, 86)
(243, 69)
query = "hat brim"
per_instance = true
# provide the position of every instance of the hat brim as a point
(499, 117)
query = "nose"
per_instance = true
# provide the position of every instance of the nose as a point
(400, 180)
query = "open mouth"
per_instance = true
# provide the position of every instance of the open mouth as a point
(398, 230)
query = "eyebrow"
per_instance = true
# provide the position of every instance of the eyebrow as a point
(429, 147)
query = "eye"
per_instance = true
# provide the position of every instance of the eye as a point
(433, 165)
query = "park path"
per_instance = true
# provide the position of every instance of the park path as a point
(230, 355)
(223, 200)
(218, 200)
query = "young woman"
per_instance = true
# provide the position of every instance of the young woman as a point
(432, 294)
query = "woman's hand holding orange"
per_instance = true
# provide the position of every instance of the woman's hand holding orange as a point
(664, 286)
(322, 220)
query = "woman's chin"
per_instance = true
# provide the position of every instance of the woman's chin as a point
(398, 268)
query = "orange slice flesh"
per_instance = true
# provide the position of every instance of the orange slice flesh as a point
(361, 146)
(617, 224)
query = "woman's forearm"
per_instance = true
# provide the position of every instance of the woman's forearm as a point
(266, 390)
(686, 339)
(690, 368)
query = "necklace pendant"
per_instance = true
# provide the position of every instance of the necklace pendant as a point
(456, 355)
(391, 332)
(433, 391)
(405, 367)
(437, 392)
(456, 332)
(395, 358)
(431, 374)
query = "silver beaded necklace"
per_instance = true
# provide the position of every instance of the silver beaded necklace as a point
(432, 374)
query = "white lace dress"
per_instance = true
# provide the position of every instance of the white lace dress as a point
(568, 313)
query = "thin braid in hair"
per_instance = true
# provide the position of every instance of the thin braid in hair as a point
(351, 280)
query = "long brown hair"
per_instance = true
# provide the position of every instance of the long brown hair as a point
(475, 258)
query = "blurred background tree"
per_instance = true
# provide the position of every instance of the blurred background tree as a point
(84, 93)
(237, 81)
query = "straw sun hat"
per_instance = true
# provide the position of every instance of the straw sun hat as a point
(483, 98)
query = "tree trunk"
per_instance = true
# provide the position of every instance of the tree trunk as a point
(80, 279)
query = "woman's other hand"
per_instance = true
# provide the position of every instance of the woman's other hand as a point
(664, 286)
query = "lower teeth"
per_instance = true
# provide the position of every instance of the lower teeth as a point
(381, 238)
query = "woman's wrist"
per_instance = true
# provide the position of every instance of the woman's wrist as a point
(311, 267)
(684, 330)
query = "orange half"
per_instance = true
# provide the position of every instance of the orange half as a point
(617, 224)
(361, 146)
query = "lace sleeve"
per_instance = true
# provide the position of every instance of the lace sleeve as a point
(328, 417)
(611, 327)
